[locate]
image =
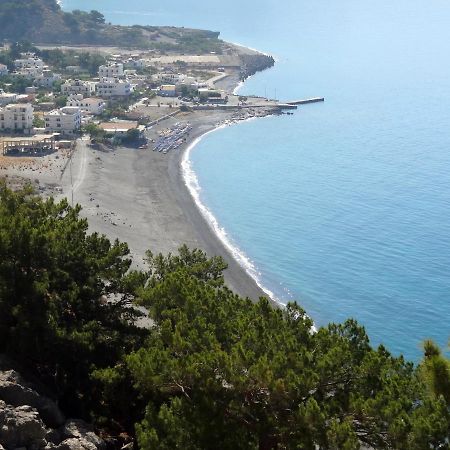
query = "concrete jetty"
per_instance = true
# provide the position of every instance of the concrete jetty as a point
(307, 100)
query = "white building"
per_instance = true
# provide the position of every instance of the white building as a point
(29, 72)
(168, 90)
(16, 117)
(7, 97)
(135, 63)
(74, 69)
(72, 87)
(169, 78)
(114, 87)
(29, 61)
(31, 90)
(3, 70)
(111, 70)
(120, 128)
(47, 79)
(92, 105)
(65, 120)
(191, 82)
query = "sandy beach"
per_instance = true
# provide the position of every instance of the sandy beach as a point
(139, 196)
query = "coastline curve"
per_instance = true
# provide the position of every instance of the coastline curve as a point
(193, 186)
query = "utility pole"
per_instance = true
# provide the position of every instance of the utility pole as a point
(71, 179)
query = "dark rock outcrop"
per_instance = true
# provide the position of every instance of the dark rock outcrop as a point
(253, 63)
(16, 392)
(29, 420)
(81, 431)
(21, 427)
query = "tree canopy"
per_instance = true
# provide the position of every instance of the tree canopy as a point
(55, 286)
(210, 370)
(247, 375)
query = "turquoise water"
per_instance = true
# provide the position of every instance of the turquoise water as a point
(344, 206)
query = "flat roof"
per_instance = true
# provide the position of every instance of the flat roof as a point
(92, 100)
(64, 111)
(18, 105)
(118, 126)
(186, 58)
(35, 138)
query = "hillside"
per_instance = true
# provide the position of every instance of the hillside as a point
(213, 371)
(44, 22)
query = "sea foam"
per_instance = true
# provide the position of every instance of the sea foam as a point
(192, 183)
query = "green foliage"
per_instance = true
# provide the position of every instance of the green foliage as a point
(94, 131)
(195, 262)
(132, 135)
(16, 17)
(38, 122)
(8, 56)
(435, 370)
(60, 59)
(88, 19)
(147, 70)
(65, 309)
(118, 108)
(43, 21)
(212, 370)
(218, 368)
(60, 101)
(188, 91)
(16, 84)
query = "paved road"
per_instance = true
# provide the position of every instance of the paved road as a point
(75, 173)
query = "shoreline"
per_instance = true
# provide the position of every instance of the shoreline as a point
(141, 198)
(193, 186)
(144, 198)
(213, 238)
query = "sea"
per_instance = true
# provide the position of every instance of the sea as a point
(344, 206)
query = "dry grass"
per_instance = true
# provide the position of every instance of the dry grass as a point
(7, 162)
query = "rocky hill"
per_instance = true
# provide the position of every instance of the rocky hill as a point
(44, 22)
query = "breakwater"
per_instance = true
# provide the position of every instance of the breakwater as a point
(306, 101)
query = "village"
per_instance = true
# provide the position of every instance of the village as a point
(44, 108)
